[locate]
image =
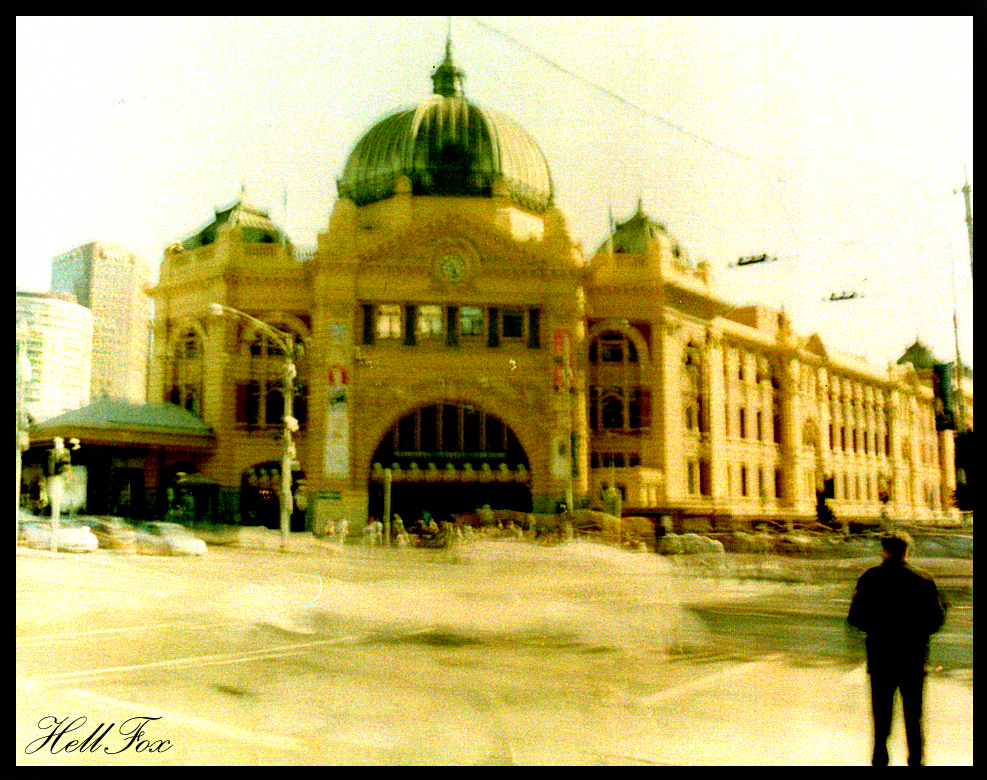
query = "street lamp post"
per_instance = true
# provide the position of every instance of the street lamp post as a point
(287, 343)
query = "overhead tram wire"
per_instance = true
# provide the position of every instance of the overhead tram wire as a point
(622, 100)
(758, 164)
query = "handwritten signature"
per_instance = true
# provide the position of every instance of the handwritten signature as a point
(131, 730)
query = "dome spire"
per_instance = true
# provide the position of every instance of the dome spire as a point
(447, 78)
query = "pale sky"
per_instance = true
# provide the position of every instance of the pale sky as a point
(835, 144)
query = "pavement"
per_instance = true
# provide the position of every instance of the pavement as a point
(761, 713)
(462, 705)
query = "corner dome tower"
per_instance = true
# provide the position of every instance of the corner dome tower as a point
(447, 146)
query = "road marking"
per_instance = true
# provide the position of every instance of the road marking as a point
(701, 682)
(216, 659)
(43, 639)
(240, 734)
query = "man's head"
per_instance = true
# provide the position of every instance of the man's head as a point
(896, 544)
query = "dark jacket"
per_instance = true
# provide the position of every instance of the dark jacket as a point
(899, 607)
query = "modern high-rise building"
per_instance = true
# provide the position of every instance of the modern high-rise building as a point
(56, 335)
(110, 281)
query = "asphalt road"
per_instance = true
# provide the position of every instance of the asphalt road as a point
(499, 655)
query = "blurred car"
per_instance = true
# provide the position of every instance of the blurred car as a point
(113, 533)
(168, 539)
(72, 536)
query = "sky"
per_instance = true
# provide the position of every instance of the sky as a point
(835, 145)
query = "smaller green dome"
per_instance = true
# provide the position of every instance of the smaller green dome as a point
(256, 225)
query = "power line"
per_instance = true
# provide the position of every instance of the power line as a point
(620, 99)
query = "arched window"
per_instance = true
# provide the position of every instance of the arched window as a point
(187, 371)
(617, 401)
(261, 397)
(612, 347)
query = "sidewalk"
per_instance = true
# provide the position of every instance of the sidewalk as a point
(768, 713)
(758, 713)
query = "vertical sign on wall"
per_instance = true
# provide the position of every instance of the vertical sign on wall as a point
(561, 441)
(337, 458)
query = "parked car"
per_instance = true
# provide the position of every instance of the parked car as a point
(168, 539)
(113, 533)
(72, 536)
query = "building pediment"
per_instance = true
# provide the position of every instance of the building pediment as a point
(814, 346)
(454, 247)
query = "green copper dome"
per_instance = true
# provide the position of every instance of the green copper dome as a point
(447, 146)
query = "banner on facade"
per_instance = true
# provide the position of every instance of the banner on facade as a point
(337, 454)
(562, 352)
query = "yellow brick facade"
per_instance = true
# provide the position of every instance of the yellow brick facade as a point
(692, 405)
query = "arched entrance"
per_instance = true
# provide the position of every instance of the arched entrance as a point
(449, 458)
(260, 486)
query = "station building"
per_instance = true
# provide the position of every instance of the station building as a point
(452, 339)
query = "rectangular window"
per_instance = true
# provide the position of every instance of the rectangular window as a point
(429, 322)
(534, 328)
(368, 323)
(743, 425)
(705, 483)
(691, 477)
(639, 408)
(389, 321)
(493, 327)
(513, 324)
(743, 480)
(777, 483)
(471, 321)
(760, 426)
(410, 313)
(452, 328)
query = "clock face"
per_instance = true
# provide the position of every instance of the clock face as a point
(452, 267)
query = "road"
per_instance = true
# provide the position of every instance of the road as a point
(497, 654)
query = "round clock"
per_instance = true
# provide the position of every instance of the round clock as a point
(452, 267)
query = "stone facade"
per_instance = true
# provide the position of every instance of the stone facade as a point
(441, 332)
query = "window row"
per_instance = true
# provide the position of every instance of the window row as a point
(616, 459)
(411, 324)
(619, 408)
(852, 440)
(754, 428)
(749, 482)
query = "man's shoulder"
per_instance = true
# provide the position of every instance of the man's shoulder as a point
(918, 573)
(896, 571)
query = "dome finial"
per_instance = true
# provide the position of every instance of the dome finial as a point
(446, 78)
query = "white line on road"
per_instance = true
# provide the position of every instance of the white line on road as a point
(216, 659)
(701, 682)
(44, 639)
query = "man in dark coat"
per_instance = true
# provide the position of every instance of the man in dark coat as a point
(899, 607)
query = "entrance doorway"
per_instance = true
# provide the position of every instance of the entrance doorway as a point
(260, 504)
(449, 458)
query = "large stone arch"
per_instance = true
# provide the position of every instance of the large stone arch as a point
(524, 429)
(527, 422)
